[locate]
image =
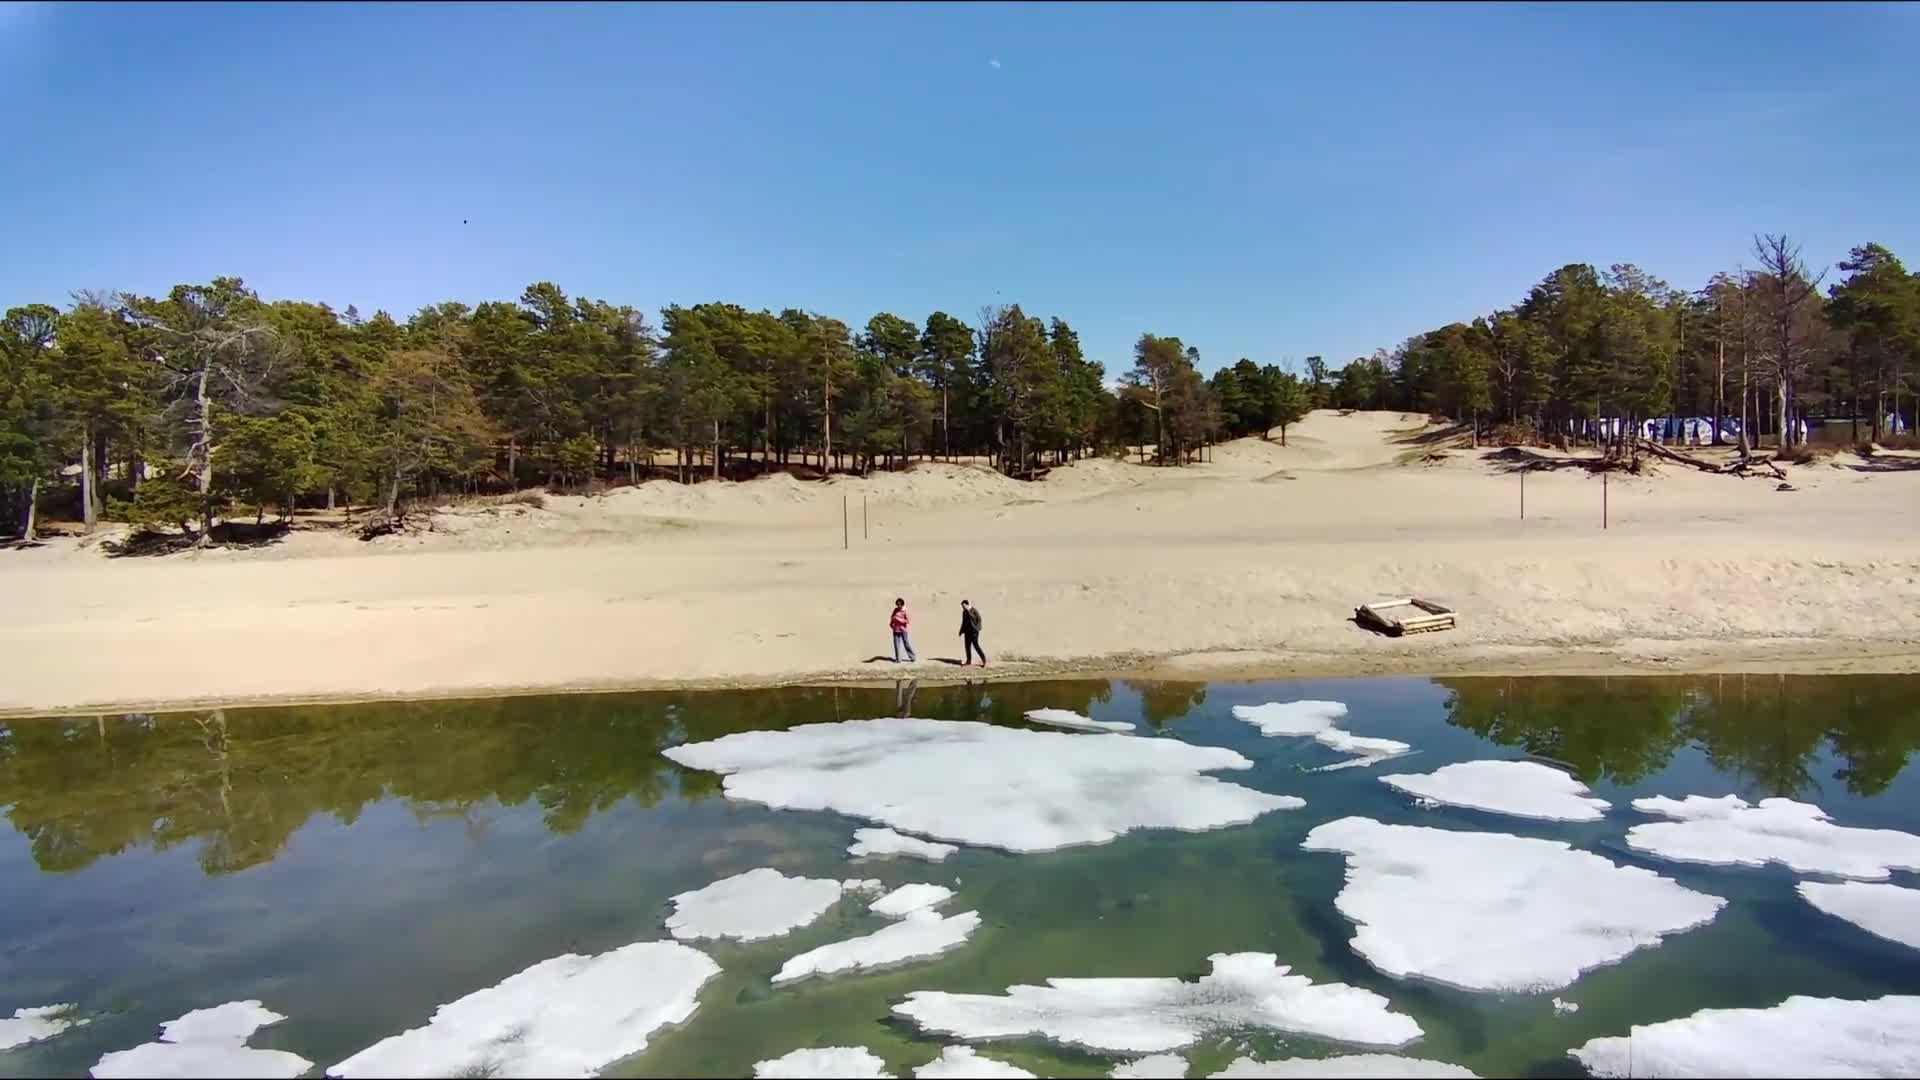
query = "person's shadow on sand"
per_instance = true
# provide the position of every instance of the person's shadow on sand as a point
(884, 659)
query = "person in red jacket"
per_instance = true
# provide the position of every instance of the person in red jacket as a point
(899, 622)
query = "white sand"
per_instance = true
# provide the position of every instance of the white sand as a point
(37, 1024)
(1801, 1037)
(1359, 1066)
(1252, 563)
(1152, 1015)
(845, 1062)
(975, 783)
(1487, 911)
(878, 843)
(963, 1063)
(205, 1043)
(1887, 911)
(1729, 831)
(1525, 789)
(760, 903)
(567, 1016)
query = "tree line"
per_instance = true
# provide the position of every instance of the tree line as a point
(1587, 355)
(209, 401)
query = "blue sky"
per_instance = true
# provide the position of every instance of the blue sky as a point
(1263, 181)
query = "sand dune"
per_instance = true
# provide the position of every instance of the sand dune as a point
(1251, 563)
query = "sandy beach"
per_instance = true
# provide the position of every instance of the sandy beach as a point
(1248, 565)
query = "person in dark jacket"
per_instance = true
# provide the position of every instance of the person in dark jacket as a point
(970, 633)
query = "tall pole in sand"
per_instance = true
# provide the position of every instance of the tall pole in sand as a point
(1603, 501)
(843, 523)
(1523, 493)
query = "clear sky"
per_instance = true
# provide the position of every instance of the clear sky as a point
(1262, 181)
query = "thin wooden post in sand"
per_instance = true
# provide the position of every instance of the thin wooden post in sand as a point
(1603, 501)
(843, 523)
(1523, 493)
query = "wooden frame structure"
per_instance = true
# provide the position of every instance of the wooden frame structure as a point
(1405, 615)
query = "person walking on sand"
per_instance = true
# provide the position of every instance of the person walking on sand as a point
(970, 633)
(899, 622)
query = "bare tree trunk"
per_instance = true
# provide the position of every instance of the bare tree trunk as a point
(1785, 437)
(1719, 389)
(33, 509)
(716, 449)
(204, 411)
(513, 464)
(88, 480)
(1746, 442)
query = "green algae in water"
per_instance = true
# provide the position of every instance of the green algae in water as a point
(356, 866)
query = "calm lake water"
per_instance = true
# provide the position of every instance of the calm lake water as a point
(353, 867)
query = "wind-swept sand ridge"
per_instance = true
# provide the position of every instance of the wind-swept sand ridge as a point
(1250, 564)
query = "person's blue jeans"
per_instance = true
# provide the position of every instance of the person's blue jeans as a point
(900, 641)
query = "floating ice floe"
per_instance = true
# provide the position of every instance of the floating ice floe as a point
(206, 1043)
(1154, 1067)
(38, 1024)
(568, 1016)
(960, 1063)
(907, 899)
(1564, 1008)
(1488, 911)
(878, 842)
(1363, 1066)
(847, 1062)
(1525, 789)
(1887, 911)
(1802, 1036)
(1153, 1015)
(918, 935)
(1318, 720)
(974, 783)
(1729, 831)
(760, 903)
(1067, 718)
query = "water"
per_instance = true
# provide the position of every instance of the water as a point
(355, 866)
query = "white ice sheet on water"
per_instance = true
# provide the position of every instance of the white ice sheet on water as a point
(974, 783)
(882, 842)
(35, 1024)
(567, 1016)
(206, 1043)
(844, 1062)
(760, 903)
(908, 899)
(1359, 1066)
(1488, 911)
(919, 935)
(1150, 1015)
(961, 1063)
(1729, 831)
(1320, 721)
(1067, 718)
(1887, 911)
(1152, 1067)
(1801, 1037)
(1525, 789)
